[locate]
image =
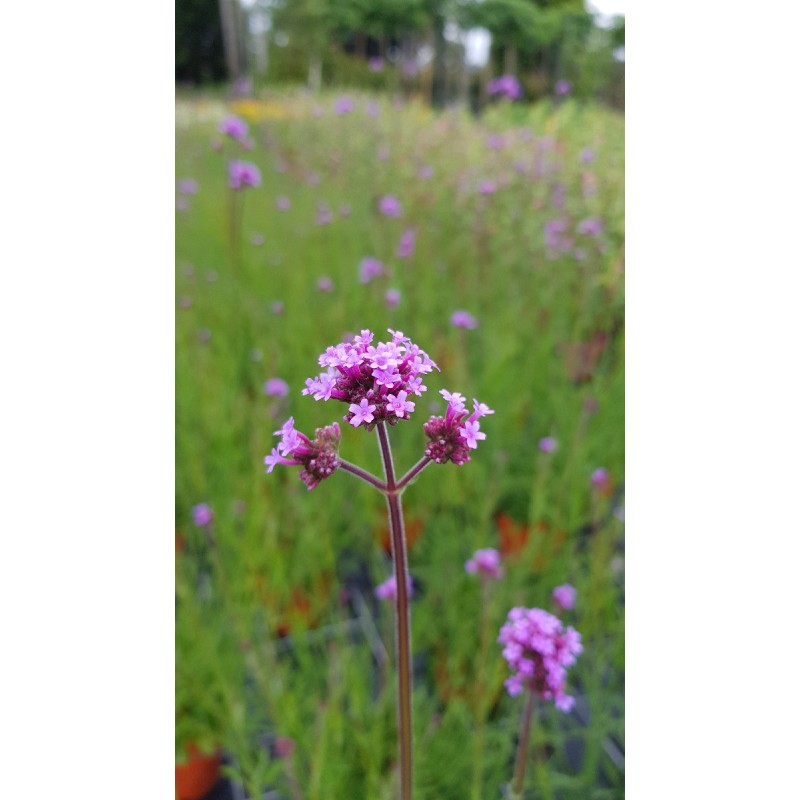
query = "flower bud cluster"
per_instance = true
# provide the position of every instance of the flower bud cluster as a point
(374, 380)
(319, 458)
(539, 650)
(454, 435)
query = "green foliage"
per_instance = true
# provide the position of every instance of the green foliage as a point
(277, 632)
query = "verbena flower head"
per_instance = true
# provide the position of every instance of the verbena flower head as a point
(343, 105)
(390, 206)
(455, 434)
(506, 86)
(539, 650)
(600, 478)
(242, 174)
(234, 127)
(485, 563)
(388, 589)
(565, 596)
(548, 444)
(202, 514)
(319, 458)
(375, 380)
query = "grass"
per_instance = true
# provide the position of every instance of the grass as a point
(547, 355)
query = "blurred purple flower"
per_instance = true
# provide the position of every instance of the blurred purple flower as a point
(463, 319)
(600, 478)
(313, 179)
(565, 596)
(202, 514)
(388, 589)
(588, 155)
(487, 187)
(562, 87)
(390, 206)
(373, 109)
(495, 141)
(324, 214)
(325, 284)
(283, 203)
(276, 307)
(188, 186)
(276, 387)
(234, 127)
(368, 269)
(343, 105)
(242, 86)
(591, 226)
(408, 241)
(383, 153)
(242, 174)
(425, 171)
(548, 444)
(181, 204)
(257, 239)
(376, 64)
(392, 298)
(506, 85)
(485, 563)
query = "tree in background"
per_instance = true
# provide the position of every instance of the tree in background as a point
(199, 51)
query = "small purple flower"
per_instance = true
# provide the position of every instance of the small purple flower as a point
(376, 64)
(562, 88)
(588, 155)
(324, 214)
(463, 319)
(202, 514)
(345, 210)
(487, 187)
(383, 153)
(408, 241)
(425, 172)
(319, 458)
(343, 105)
(257, 239)
(495, 141)
(276, 387)
(283, 203)
(276, 307)
(181, 204)
(454, 435)
(564, 596)
(590, 227)
(600, 478)
(390, 206)
(392, 298)
(242, 174)
(368, 269)
(234, 127)
(283, 747)
(388, 589)
(485, 563)
(188, 186)
(361, 412)
(313, 179)
(399, 405)
(507, 86)
(548, 444)
(325, 284)
(373, 109)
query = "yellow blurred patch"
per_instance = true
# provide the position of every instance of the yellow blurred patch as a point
(257, 110)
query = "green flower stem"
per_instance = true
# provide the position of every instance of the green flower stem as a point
(402, 616)
(522, 748)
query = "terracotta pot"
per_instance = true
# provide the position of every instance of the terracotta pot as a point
(195, 778)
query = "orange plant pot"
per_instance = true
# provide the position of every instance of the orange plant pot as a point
(195, 778)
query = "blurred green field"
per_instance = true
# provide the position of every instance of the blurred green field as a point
(278, 631)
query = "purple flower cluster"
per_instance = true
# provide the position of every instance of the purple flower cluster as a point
(507, 86)
(463, 319)
(388, 589)
(343, 105)
(408, 242)
(234, 127)
(368, 269)
(455, 434)
(202, 515)
(242, 174)
(592, 226)
(374, 380)
(562, 88)
(485, 563)
(565, 596)
(539, 650)
(390, 206)
(319, 458)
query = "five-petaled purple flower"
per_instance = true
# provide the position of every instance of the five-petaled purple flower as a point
(242, 174)
(486, 563)
(539, 650)
(319, 458)
(234, 127)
